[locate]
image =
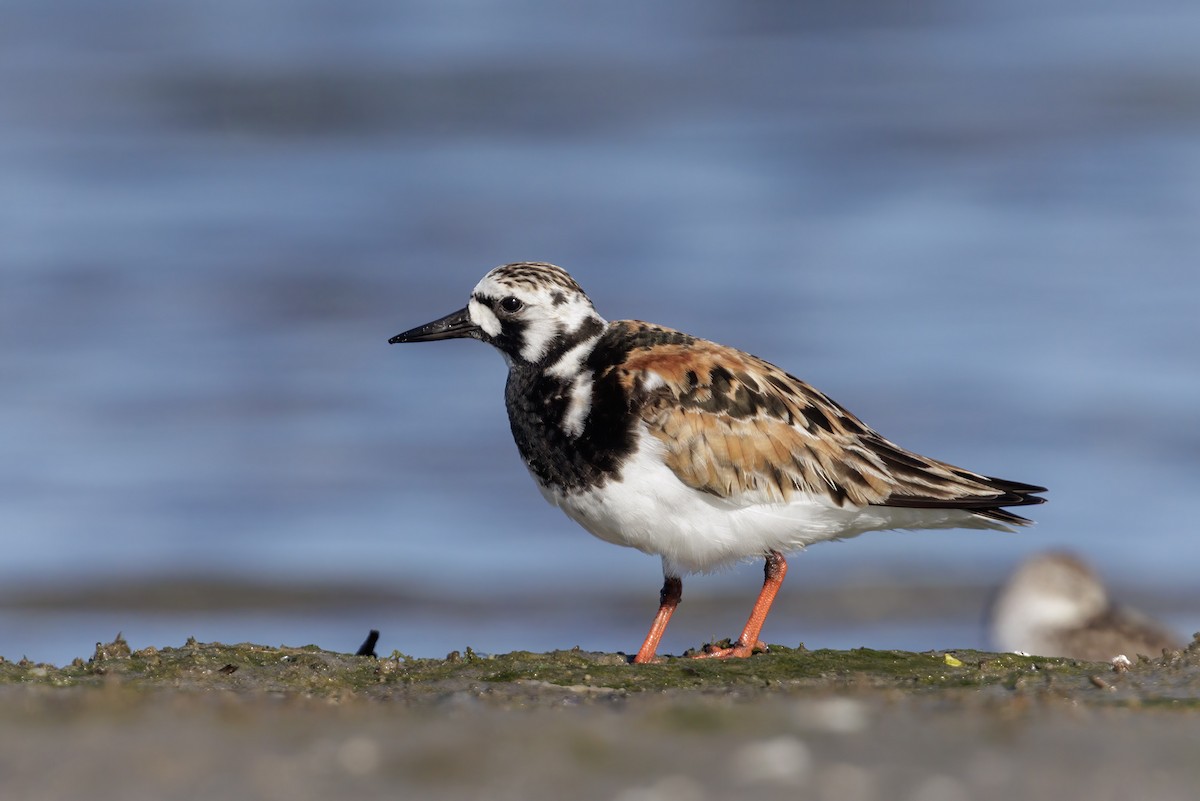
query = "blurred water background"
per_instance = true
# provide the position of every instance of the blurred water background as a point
(975, 225)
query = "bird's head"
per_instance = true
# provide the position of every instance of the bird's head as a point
(531, 311)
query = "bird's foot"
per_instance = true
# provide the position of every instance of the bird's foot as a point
(733, 651)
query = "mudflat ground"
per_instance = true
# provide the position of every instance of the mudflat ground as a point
(225, 722)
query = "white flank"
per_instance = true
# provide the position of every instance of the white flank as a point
(650, 509)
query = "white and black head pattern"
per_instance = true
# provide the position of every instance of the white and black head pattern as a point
(546, 328)
(533, 312)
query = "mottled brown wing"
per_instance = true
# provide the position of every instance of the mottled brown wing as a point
(734, 425)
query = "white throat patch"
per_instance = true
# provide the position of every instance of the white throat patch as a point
(537, 336)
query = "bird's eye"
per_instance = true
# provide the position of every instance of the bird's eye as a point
(511, 305)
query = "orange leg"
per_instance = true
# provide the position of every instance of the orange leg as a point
(773, 572)
(672, 591)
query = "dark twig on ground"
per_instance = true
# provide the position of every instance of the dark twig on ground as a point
(368, 646)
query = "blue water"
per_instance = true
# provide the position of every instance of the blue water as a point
(978, 228)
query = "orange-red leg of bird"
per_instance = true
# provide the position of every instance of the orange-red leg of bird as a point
(672, 591)
(773, 572)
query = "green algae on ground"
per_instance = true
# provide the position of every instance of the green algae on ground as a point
(310, 671)
(781, 667)
(197, 665)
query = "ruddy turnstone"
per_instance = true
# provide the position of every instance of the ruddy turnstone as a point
(1054, 605)
(696, 452)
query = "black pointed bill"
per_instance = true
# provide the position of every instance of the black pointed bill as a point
(452, 326)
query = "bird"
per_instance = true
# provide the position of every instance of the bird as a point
(696, 452)
(1053, 604)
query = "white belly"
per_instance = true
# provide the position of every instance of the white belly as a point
(652, 510)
